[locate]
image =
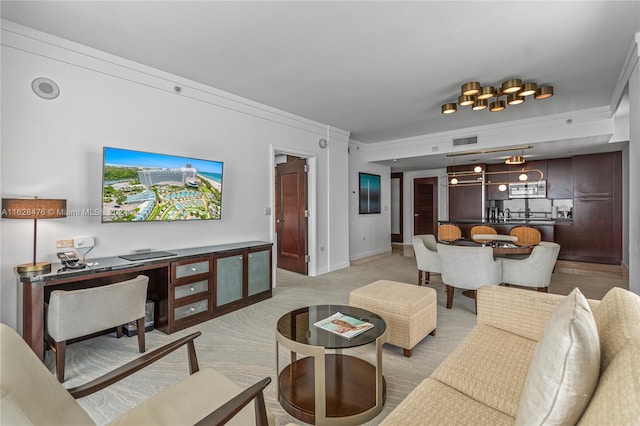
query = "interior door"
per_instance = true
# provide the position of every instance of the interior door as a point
(425, 206)
(291, 220)
(396, 207)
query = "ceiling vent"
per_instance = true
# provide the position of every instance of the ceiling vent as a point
(465, 141)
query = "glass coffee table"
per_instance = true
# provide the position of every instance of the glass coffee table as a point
(323, 387)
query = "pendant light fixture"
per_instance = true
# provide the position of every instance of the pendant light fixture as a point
(514, 91)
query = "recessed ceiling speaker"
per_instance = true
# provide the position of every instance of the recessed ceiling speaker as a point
(45, 88)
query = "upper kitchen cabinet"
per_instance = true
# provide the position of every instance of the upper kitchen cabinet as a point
(559, 178)
(465, 200)
(532, 176)
(497, 174)
(593, 174)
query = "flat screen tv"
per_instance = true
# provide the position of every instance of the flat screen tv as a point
(146, 187)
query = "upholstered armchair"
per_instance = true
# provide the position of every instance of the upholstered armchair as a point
(77, 313)
(425, 248)
(468, 268)
(31, 395)
(534, 270)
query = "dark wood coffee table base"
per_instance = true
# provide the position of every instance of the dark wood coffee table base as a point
(350, 387)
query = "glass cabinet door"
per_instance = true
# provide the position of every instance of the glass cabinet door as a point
(259, 272)
(228, 279)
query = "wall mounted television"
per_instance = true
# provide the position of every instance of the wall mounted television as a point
(147, 187)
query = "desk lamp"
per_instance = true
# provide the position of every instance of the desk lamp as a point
(34, 208)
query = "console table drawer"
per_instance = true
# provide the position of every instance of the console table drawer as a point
(186, 290)
(191, 309)
(190, 269)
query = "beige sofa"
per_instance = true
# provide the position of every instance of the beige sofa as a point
(482, 381)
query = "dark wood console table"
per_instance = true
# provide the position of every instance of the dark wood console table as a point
(189, 287)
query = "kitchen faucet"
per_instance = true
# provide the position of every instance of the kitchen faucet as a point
(527, 213)
(507, 214)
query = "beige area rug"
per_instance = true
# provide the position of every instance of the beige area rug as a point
(242, 344)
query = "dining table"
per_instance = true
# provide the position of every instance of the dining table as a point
(501, 248)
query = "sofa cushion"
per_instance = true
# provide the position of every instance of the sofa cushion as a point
(617, 317)
(489, 366)
(565, 367)
(615, 401)
(434, 403)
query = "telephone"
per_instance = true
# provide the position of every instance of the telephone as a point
(70, 260)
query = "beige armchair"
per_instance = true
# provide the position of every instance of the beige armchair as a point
(534, 270)
(468, 268)
(31, 395)
(79, 313)
(425, 248)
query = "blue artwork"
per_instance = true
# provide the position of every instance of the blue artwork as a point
(369, 193)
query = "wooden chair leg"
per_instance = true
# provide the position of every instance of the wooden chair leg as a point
(433, 333)
(427, 278)
(119, 331)
(475, 300)
(419, 277)
(60, 349)
(543, 289)
(141, 332)
(407, 352)
(450, 291)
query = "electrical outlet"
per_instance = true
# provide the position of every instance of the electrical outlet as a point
(83, 242)
(64, 243)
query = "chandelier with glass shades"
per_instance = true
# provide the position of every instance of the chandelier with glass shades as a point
(511, 92)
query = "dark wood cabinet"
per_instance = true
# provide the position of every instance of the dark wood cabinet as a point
(597, 207)
(563, 235)
(559, 178)
(465, 201)
(497, 174)
(593, 174)
(532, 176)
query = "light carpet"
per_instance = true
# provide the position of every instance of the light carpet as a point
(242, 344)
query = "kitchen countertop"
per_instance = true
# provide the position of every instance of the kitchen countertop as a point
(532, 221)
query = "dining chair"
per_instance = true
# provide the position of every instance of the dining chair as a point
(527, 235)
(483, 230)
(533, 271)
(31, 395)
(448, 232)
(425, 248)
(468, 268)
(78, 313)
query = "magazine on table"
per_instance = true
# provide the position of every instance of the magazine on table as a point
(344, 325)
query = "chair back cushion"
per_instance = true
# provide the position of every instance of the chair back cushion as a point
(425, 249)
(469, 267)
(448, 232)
(527, 236)
(31, 395)
(82, 312)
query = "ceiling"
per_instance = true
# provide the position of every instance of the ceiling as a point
(379, 69)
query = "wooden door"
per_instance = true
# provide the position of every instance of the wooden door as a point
(396, 207)
(425, 206)
(291, 220)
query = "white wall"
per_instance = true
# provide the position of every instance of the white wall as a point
(634, 169)
(53, 149)
(369, 234)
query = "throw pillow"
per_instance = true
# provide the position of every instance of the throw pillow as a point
(565, 366)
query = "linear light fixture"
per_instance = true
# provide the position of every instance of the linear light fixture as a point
(514, 92)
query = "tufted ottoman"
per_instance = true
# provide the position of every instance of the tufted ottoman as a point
(410, 311)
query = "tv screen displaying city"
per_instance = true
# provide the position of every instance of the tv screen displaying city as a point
(146, 187)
